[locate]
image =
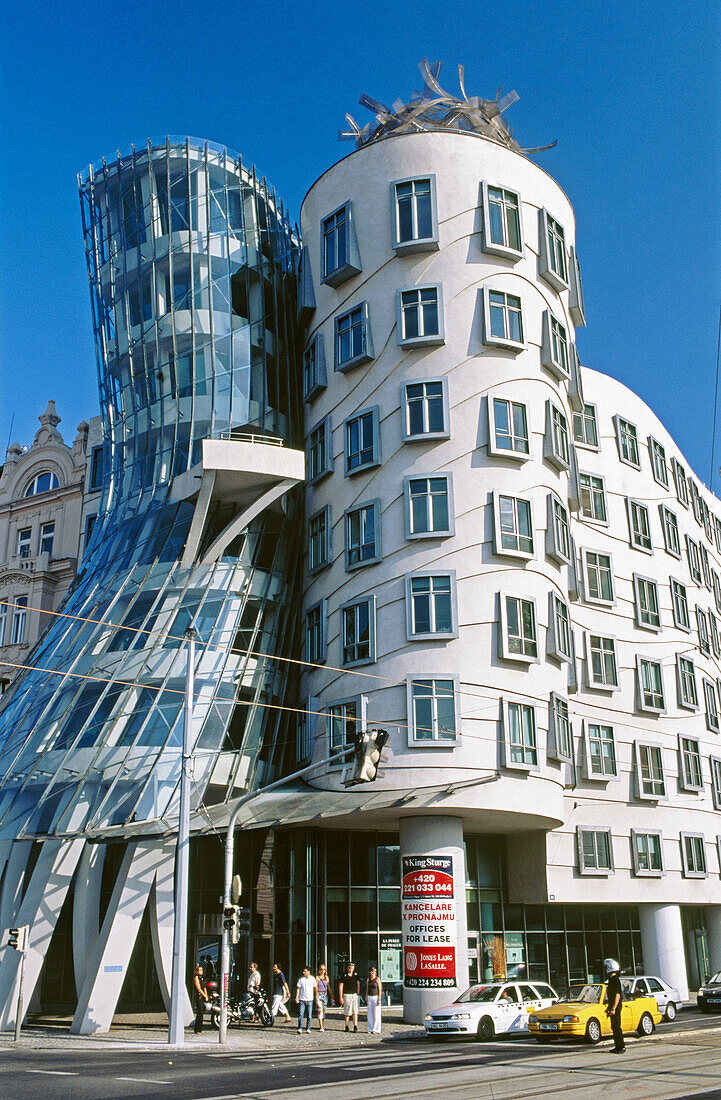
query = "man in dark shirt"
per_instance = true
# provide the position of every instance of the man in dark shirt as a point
(281, 993)
(614, 1002)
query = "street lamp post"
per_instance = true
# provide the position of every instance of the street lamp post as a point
(176, 1030)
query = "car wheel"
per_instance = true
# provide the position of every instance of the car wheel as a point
(646, 1026)
(670, 1011)
(593, 1031)
(486, 1030)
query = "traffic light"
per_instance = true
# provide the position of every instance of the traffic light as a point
(363, 768)
(230, 921)
(18, 937)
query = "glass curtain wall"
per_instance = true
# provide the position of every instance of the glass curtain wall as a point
(192, 268)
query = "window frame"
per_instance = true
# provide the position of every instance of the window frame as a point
(669, 522)
(505, 342)
(561, 554)
(414, 244)
(492, 247)
(499, 549)
(361, 702)
(576, 306)
(556, 432)
(546, 268)
(433, 742)
(406, 434)
(683, 697)
(659, 465)
(583, 417)
(693, 560)
(631, 504)
(641, 583)
(554, 641)
(422, 340)
(647, 872)
(704, 638)
(447, 532)
(431, 635)
(679, 600)
(493, 448)
(680, 482)
(596, 477)
(504, 650)
(375, 459)
(327, 539)
(582, 867)
(687, 870)
(560, 743)
(687, 781)
(620, 424)
(375, 504)
(366, 354)
(351, 264)
(327, 467)
(649, 796)
(18, 620)
(522, 765)
(713, 721)
(644, 706)
(593, 774)
(715, 766)
(597, 601)
(600, 685)
(322, 653)
(44, 535)
(549, 359)
(312, 386)
(358, 601)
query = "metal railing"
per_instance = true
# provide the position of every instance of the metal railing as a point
(251, 437)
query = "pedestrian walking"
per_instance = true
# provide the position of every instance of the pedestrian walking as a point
(374, 993)
(200, 997)
(349, 991)
(614, 1003)
(306, 993)
(253, 978)
(281, 993)
(324, 994)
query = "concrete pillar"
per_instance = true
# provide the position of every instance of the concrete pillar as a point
(86, 909)
(421, 839)
(662, 945)
(712, 913)
(16, 859)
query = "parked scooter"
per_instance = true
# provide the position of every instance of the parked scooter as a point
(251, 1008)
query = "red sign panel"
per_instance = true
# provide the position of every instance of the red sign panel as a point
(430, 962)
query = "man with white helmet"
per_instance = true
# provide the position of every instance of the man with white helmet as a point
(614, 1003)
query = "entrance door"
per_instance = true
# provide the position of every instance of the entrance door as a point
(474, 962)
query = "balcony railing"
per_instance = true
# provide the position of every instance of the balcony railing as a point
(251, 437)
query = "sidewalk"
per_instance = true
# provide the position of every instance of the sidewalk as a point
(149, 1031)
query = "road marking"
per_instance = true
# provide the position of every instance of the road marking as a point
(143, 1080)
(54, 1072)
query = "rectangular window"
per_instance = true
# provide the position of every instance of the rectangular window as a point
(649, 771)
(679, 478)
(520, 731)
(89, 528)
(717, 531)
(639, 526)
(679, 603)
(17, 634)
(3, 622)
(362, 535)
(353, 344)
(23, 542)
(555, 346)
(556, 442)
(315, 633)
(96, 468)
(559, 644)
(711, 703)
(658, 461)
(585, 430)
(716, 589)
(558, 540)
(686, 680)
(319, 453)
(420, 316)
(415, 223)
(362, 441)
(648, 614)
(319, 529)
(358, 625)
(715, 763)
(47, 535)
(508, 428)
(314, 374)
(432, 706)
(344, 721)
(513, 526)
(594, 851)
(601, 751)
(504, 322)
(713, 633)
(694, 561)
(560, 730)
(627, 439)
(599, 577)
(502, 221)
(430, 606)
(702, 628)
(671, 537)
(426, 409)
(428, 506)
(602, 659)
(691, 776)
(575, 297)
(335, 242)
(693, 849)
(552, 265)
(647, 853)
(650, 685)
(705, 564)
(593, 498)
(518, 629)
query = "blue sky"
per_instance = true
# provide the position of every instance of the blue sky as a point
(629, 90)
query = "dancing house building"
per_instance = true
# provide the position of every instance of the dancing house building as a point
(507, 565)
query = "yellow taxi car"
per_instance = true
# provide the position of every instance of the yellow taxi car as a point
(581, 1013)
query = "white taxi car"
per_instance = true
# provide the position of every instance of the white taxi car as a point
(495, 1008)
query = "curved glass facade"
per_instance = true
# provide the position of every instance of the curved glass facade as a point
(192, 268)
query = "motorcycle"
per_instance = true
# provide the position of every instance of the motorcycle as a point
(250, 1008)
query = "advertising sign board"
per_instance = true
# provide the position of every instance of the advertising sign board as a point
(428, 922)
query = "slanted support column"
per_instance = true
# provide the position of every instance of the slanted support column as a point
(12, 881)
(712, 913)
(86, 909)
(441, 954)
(162, 923)
(662, 945)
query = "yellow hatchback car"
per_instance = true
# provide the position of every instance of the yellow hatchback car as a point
(582, 1014)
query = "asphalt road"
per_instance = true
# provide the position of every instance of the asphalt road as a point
(681, 1060)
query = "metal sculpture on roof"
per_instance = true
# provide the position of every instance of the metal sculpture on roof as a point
(435, 109)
